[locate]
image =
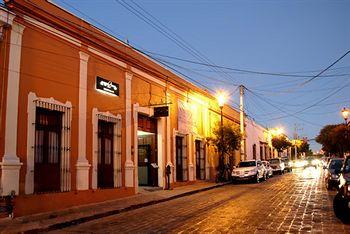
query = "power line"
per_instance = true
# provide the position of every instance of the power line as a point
(165, 32)
(316, 103)
(324, 70)
(280, 109)
(238, 69)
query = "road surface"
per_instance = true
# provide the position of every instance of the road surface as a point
(293, 202)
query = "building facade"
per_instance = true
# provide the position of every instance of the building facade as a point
(258, 141)
(87, 118)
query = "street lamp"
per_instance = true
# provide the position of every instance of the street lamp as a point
(345, 113)
(221, 98)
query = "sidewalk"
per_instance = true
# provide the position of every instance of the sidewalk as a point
(80, 214)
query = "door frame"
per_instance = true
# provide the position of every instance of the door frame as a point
(185, 139)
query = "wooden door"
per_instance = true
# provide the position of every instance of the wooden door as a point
(105, 154)
(200, 160)
(47, 151)
(179, 157)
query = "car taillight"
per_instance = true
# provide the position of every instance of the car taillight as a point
(347, 190)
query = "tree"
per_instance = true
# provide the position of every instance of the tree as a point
(226, 139)
(340, 139)
(304, 147)
(334, 139)
(280, 143)
(325, 139)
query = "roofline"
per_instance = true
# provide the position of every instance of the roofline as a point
(130, 46)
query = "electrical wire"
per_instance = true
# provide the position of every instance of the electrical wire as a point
(240, 70)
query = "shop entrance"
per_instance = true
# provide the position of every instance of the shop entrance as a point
(147, 151)
(200, 160)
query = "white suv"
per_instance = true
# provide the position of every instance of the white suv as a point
(277, 165)
(249, 170)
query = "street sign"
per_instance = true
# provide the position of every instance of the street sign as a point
(162, 111)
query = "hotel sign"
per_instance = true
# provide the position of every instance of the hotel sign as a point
(107, 86)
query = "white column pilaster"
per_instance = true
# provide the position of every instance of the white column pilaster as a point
(168, 141)
(82, 163)
(136, 174)
(11, 164)
(190, 157)
(161, 151)
(129, 165)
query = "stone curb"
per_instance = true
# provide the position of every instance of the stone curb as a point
(118, 211)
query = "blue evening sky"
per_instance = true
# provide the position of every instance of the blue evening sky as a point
(294, 37)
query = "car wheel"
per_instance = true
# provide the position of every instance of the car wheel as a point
(340, 208)
(233, 180)
(257, 180)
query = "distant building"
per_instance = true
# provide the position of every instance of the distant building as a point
(258, 141)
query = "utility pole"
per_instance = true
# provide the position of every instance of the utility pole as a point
(241, 121)
(296, 137)
(295, 142)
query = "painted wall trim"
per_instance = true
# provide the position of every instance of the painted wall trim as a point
(82, 163)
(149, 77)
(129, 164)
(52, 31)
(107, 57)
(10, 164)
(50, 103)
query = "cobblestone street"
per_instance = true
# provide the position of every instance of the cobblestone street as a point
(294, 202)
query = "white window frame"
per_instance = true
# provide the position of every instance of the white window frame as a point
(66, 109)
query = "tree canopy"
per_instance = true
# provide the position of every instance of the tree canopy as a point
(334, 139)
(280, 143)
(304, 147)
(226, 139)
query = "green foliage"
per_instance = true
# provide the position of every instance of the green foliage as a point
(324, 138)
(304, 147)
(334, 139)
(280, 143)
(226, 140)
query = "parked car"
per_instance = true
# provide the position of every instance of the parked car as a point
(268, 168)
(341, 202)
(287, 164)
(332, 173)
(249, 170)
(277, 165)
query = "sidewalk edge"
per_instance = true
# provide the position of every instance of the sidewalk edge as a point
(118, 211)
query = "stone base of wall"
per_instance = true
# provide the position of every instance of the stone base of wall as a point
(48, 202)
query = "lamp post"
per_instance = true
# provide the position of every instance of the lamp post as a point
(345, 113)
(221, 98)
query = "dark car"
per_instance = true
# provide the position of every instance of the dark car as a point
(341, 202)
(332, 173)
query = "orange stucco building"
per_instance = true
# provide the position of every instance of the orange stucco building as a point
(87, 118)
